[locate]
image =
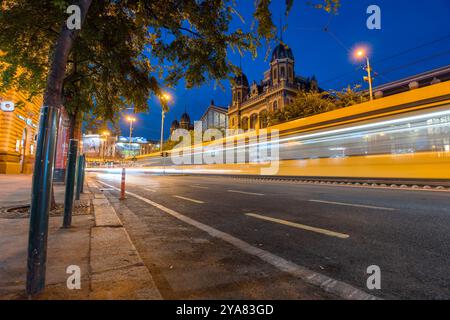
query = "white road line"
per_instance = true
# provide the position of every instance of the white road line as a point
(328, 284)
(148, 189)
(352, 205)
(244, 192)
(300, 226)
(199, 187)
(189, 199)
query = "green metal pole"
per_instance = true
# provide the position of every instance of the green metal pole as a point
(40, 199)
(70, 182)
(83, 173)
(79, 177)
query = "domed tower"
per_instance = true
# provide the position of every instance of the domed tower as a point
(175, 125)
(282, 65)
(185, 121)
(239, 89)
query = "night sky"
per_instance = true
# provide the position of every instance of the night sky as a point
(415, 37)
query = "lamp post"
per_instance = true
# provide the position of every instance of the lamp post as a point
(131, 120)
(164, 99)
(362, 54)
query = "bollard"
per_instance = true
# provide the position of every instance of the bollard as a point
(83, 174)
(80, 169)
(40, 199)
(122, 185)
(70, 182)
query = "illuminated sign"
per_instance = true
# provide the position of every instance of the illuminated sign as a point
(7, 106)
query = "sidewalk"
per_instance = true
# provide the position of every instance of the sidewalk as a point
(110, 266)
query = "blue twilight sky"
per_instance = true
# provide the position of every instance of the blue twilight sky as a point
(415, 37)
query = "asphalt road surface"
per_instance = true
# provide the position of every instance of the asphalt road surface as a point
(337, 231)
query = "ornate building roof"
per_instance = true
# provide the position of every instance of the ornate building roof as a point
(241, 80)
(282, 51)
(185, 118)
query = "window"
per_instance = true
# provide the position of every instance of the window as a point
(253, 121)
(275, 74)
(283, 72)
(275, 106)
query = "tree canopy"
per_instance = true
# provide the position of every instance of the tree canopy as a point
(127, 50)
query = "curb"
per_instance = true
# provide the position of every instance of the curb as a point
(117, 270)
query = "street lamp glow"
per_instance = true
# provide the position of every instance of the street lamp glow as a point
(362, 53)
(166, 96)
(131, 119)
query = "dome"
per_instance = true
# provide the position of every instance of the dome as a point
(282, 51)
(185, 118)
(241, 80)
(175, 124)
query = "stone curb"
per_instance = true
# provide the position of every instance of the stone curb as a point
(117, 270)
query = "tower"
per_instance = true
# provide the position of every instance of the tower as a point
(282, 65)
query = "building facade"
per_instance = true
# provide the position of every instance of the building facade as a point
(18, 132)
(215, 117)
(184, 123)
(252, 104)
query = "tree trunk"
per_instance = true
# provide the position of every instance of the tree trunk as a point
(64, 44)
(41, 193)
(53, 92)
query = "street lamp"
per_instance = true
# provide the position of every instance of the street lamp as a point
(164, 99)
(361, 53)
(131, 120)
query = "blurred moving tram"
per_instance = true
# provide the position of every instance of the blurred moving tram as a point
(403, 136)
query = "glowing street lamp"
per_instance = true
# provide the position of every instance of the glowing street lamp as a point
(361, 53)
(164, 98)
(131, 120)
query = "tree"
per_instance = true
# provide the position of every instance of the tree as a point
(309, 103)
(349, 97)
(79, 68)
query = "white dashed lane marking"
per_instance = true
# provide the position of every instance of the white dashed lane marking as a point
(244, 192)
(300, 226)
(352, 205)
(189, 199)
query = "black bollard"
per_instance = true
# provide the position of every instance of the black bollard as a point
(70, 182)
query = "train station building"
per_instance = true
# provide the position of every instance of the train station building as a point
(251, 103)
(18, 131)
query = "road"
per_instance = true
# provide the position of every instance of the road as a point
(336, 231)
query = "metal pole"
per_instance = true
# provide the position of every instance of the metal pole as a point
(369, 72)
(70, 183)
(162, 142)
(40, 199)
(122, 185)
(83, 173)
(79, 177)
(131, 132)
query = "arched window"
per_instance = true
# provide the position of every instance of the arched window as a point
(275, 74)
(253, 121)
(275, 106)
(282, 72)
(244, 123)
(263, 120)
